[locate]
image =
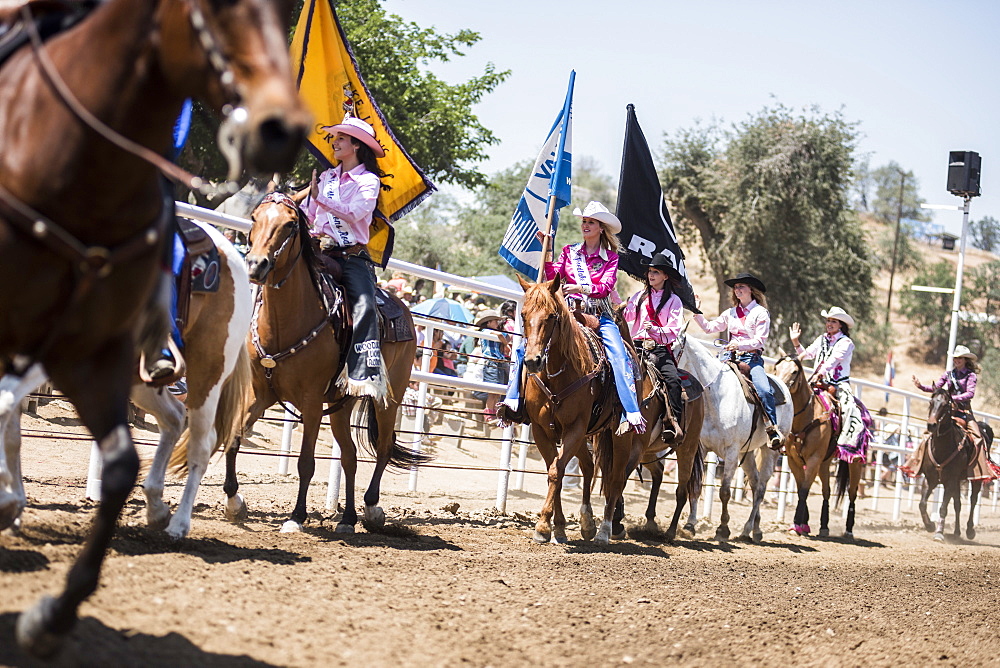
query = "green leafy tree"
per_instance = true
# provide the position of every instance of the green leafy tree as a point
(930, 312)
(434, 120)
(985, 233)
(771, 196)
(426, 236)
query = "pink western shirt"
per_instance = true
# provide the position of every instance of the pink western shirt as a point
(343, 209)
(748, 333)
(603, 267)
(671, 317)
(836, 363)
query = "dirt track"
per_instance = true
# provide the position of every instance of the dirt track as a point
(440, 588)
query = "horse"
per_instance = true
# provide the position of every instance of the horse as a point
(296, 346)
(732, 428)
(811, 446)
(946, 462)
(83, 210)
(690, 455)
(218, 382)
(569, 394)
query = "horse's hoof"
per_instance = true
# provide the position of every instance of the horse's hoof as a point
(540, 537)
(670, 536)
(236, 509)
(620, 535)
(758, 537)
(157, 516)
(291, 526)
(928, 526)
(970, 534)
(374, 518)
(651, 526)
(687, 531)
(31, 634)
(824, 533)
(344, 528)
(178, 529)
(559, 537)
(588, 529)
(721, 536)
(10, 512)
(848, 535)
(602, 538)
(939, 537)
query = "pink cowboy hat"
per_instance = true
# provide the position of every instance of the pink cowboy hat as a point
(357, 128)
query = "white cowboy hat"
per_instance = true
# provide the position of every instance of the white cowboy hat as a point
(359, 129)
(486, 315)
(840, 314)
(598, 211)
(962, 351)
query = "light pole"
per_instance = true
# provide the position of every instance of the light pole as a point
(957, 301)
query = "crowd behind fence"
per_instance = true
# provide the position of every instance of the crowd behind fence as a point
(887, 456)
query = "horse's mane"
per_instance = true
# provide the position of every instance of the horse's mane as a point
(568, 337)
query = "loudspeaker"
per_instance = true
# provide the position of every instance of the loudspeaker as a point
(963, 173)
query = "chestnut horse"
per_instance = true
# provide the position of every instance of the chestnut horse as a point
(82, 219)
(296, 355)
(562, 383)
(946, 462)
(811, 447)
(218, 382)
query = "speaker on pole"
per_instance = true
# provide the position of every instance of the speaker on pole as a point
(963, 173)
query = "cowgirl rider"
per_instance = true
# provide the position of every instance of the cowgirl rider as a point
(748, 324)
(655, 317)
(340, 208)
(589, 270)
(833, 352)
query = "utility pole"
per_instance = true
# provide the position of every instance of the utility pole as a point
(895, 246)
(957, 300)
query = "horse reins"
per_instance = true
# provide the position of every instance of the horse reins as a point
(939, 431)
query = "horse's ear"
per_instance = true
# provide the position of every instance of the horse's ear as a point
(300, 196)
(554, 286)
(524, 283)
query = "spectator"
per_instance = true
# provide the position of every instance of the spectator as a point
(443, 361)
(496, 368)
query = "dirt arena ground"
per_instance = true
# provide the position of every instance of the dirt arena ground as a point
(447, 586)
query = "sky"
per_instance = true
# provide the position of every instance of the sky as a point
(920, 77)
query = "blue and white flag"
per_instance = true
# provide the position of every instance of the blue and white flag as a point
(551, 176)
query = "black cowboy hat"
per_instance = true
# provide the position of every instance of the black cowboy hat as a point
(661, 261)
(748, 279)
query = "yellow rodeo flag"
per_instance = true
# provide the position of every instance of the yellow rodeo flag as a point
(331, 86)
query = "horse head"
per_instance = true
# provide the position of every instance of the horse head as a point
(940, 411)
(233, 54)
(544, 312)
(278, 226)
(789, 370)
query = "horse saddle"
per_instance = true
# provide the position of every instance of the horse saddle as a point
(691, 387)
(199, 269)
(50, 17)
(750, 392)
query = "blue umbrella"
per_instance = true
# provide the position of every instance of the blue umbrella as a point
(443, 307)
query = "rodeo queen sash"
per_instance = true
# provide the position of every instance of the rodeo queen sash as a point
(581, 272)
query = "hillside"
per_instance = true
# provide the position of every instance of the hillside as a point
(906, 344)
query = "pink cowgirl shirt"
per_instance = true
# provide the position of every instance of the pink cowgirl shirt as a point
(343, 209)
(748, 329)
(671, 317)
(603, 267)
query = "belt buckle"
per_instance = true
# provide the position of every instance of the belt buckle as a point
(648, 344)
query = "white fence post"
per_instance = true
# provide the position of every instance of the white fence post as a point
(784, 471)
(333, 483)
(420, 419)
(503, 479)
(94, 473)
(286, 442)
(898, 493)
(713, 463)
(522, 457)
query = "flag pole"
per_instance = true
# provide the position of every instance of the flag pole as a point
(546, 238)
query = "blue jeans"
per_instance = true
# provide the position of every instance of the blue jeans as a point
(759, 378)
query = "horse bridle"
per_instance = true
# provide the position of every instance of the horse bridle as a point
(940, 431)
(233, 113)
(286, 201)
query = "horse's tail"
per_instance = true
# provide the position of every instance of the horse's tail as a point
(234, 400)
(843, 480)
(697, 473)
(604, 456)
(400, 457)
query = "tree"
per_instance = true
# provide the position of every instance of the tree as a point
(426, 236)
(432, 119)
(985, 233)
(771, 196)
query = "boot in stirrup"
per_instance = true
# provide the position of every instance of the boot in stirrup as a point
(776, 439)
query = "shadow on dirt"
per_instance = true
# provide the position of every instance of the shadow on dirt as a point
(859, 542)
(138, 541)
(392, 536)
(22, 561)
(93, 644)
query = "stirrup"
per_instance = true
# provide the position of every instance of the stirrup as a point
(168, 368)
(776, 439)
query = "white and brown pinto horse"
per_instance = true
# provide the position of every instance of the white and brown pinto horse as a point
(218, 381)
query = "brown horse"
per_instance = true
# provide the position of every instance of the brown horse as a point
(946, 462)
(563, 382)
(82, 221)
(296, 346)
(810, 448)
(690, 456)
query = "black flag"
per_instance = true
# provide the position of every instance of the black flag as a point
(646, 226)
